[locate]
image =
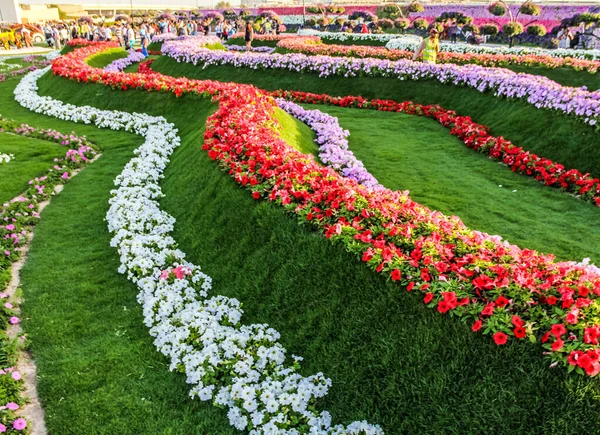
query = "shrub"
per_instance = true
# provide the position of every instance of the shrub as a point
(497, 9)
(551, 43)
(310, 22)
(513, 28)
(420, 23)
(313, 10)
(384, 23)
(528, 8)
(335, 9)
(365, 15)
(415, 7)
(489, 29)
(340, 21)
(458, 16)
(536, 30)
(323, 21)
(471, 28)
(474, 39)
(401, 23)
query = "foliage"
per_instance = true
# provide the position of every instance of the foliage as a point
(415, 7)
(497, 9)
(310, 21)
(420, 23)
(489, 29)
(384, 23)
(459, 17)
(512, 28)
(365, 15)
(401, 23)
(536, 30)
(530, 8)
(223, 5)
(323, 21)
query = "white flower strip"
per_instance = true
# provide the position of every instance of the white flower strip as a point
(343, 36)
(234, 365)
(332, 142)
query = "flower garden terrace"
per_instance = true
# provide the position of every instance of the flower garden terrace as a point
(400, 240)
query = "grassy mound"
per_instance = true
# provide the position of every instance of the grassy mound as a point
(414, 153)
(33, 157)
(106, 57)
(255, 43)
(392, 360)
(554, 136)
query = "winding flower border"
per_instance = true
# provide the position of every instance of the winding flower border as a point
(473, 135)
(312, 45)
(237, 366)
(538, 91)
(501, 288)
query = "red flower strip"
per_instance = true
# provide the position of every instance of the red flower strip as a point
(494, 286)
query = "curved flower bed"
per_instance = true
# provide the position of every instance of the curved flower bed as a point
(312, 45)
(13, 70)
(475, 136)
(120, 64)
(407, 42)
(241, 367)
(162, 37)
(261, 49)
(81, 42)
(333, 145)
(17, 217)
(499, 288)
(536, 90)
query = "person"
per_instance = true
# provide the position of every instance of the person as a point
(576, 40)
(453, 32)
(26, 33)
(144, 40)
(249, 35)
(267, 26)
(364, 28)
(429, 47)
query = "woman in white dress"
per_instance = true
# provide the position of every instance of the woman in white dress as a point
(563, 38)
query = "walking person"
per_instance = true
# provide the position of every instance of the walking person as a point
(249, 35)
(429, 48)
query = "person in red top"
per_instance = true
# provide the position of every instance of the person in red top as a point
(364, 28)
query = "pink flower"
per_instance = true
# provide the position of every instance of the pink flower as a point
(14, 320)
(65, 176)
(2, 428)
(8, 305)
(12, 406)
(7, 253)
(20, 424)
(16, 376)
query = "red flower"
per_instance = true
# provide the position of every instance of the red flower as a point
(396, 275)
(516, 321)
(557, 345)
(410, 286)
(558, 330)
(574, 356)
(500, 338)
(428, 298)
(501, 301)
(477, 326)
(425, 275)
(256, 195)
(519, 332)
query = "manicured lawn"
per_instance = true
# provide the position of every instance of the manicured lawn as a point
(392, 360)
(99, 372)
(33, 157)
(415, 153)
(557, 137)
(564, 76)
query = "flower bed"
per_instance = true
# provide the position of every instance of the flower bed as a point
(311, 45)
(496, 287)
(162, 37)
(333, 145)
(17, 217)
(256, 380)
(260, 49)
(13, 70)
(411, 43)
(536, 90)
(375, 38)
(475, 136)
(120, 64)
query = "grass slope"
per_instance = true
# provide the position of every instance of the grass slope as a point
(99, 372)
(392, 360)
(564, 76)
(33, 157)
(418, 154)
(547, 133)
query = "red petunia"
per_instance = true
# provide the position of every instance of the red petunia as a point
(410, 286)
(256, 195)
(557, 345)
(501, 301)
(500, 338)
(519, 332)
(425, 275)
(477, 325)
(558, 330)
(396, 275)
(428, 298)
(516, 321)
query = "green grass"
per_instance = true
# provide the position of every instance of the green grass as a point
(392, 360)
(547, 133)
(418, 154)
(565, 76)
(99, 372)
(255, 43)
(33, 157)
(297, 134)
(106, 57)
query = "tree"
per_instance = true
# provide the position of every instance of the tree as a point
(223, 5)
(500, 8)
